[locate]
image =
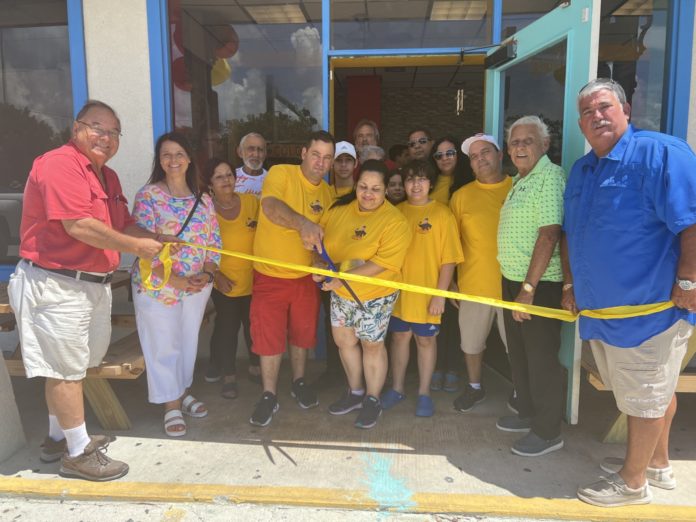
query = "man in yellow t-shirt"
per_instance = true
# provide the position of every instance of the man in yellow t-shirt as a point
(285, 302)
(476, 207)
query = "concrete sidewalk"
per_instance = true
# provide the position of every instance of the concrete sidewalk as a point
(450, 463)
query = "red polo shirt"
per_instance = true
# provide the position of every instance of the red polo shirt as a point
(63, 186)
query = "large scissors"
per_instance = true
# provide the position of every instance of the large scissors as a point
(325, 256)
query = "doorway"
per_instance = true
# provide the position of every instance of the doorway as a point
(444, 94)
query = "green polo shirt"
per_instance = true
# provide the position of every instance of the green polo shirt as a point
(534, 201)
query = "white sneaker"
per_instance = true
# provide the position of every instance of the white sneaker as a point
(658, 477)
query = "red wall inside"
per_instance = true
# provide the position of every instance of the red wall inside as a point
(363, 101)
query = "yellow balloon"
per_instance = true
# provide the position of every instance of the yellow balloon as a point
(220, 72)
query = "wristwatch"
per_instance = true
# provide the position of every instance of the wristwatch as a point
(686, 285)
(528, 287)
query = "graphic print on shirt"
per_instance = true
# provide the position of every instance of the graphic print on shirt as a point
(251, 223)
(359, 233)
(316, 207)
(424, 226)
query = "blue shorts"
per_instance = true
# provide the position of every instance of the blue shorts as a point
(420, 329)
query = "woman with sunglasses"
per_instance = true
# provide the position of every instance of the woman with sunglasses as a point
(169, 318)
(453, 171)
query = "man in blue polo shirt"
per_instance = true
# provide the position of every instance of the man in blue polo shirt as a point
(630, 239)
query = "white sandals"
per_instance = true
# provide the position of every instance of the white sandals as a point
(174, 418)
(193, 408)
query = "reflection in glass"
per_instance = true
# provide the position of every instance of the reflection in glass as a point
(535, 87)
(390, 24)
(632, 49)
(243, 66)
(35, 101)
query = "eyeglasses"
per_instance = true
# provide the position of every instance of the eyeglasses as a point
(96, 129)
(449, 153)
(421, 141)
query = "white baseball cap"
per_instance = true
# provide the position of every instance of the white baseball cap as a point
(478, 137)
(343, 147)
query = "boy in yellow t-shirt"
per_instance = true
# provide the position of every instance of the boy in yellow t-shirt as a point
(430, 260)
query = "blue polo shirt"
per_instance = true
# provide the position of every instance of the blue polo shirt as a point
(622, 217)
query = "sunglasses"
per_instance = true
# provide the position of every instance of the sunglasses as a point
(449, 153)
(421, 141)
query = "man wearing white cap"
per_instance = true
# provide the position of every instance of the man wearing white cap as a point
(343, 168)
(476, 207)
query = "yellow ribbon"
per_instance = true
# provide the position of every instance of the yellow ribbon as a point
(614, 312)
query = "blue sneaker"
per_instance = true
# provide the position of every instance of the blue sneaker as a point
(425, 407)
(391, 398)
(436, 381)
(451, 382)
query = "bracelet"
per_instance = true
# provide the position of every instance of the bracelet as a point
(567, 286)
(211, 276)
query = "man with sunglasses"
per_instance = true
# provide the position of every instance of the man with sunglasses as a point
(75, 221)
(420, 144)
(630, 239)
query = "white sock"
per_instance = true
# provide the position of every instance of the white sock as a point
(475, 385)
(77, 439)
(357, 392)
(54, 429)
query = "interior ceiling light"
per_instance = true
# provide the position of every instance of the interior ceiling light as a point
(276, 14)
(634, 8)
(458, 10)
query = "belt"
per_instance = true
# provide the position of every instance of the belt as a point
(77, 274)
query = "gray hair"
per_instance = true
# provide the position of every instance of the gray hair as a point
(369, 123)
(599, 84)
(96, 104)
(250, 135)
(371, 152)
(542, 128)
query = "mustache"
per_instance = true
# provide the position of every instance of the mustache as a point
(600, 123)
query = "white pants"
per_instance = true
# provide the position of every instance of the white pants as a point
(169, 339)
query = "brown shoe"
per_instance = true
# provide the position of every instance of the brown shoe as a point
(52, 450)
(93, 464)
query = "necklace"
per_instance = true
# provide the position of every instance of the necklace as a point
(217, 203)
(170, 190)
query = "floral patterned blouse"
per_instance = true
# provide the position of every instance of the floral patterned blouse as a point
(157, 211)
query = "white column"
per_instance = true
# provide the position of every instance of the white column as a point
(118, 73)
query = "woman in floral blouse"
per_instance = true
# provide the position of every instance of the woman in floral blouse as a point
(169, 318)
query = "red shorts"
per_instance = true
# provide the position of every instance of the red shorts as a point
(283, 311)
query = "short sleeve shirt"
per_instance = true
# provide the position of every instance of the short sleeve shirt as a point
(435, 242)
(381, 236)
(288, 184)
(246, 184)
(623, 216)
(62, 185)
(535, 201)
(441, 190)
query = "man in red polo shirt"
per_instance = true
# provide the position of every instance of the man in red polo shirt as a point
(75, 222)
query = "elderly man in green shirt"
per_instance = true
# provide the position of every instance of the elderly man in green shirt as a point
(528, 252)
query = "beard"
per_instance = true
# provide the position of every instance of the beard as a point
(253, 164)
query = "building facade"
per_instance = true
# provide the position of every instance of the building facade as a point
(219, 69)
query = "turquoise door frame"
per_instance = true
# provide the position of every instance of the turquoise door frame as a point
(577, 23)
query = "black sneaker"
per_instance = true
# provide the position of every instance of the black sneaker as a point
(370, 412)
(264, 410)
(470, 398)
(304, 394)
(347, 403)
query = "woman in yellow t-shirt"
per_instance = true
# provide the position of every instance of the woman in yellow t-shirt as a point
(453, 172)
(366, 235)
(237, 215)
(430, 260)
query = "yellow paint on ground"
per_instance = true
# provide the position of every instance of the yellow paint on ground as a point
(493, 505)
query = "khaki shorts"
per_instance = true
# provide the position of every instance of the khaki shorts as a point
(644, 378)
(475, 321)
(64, 324)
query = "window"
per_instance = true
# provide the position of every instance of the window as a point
(35, 99)
(243, 66)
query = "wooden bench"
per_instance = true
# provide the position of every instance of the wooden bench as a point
(618, 431)
(124, 360)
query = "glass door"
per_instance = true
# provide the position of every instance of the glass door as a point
(540, 72)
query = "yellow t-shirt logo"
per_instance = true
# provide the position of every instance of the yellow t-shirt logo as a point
(359, 233)
(316, 207)
(424, 226)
